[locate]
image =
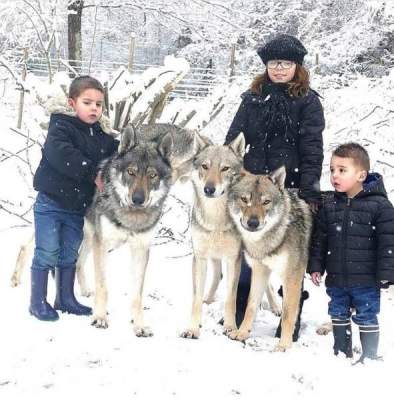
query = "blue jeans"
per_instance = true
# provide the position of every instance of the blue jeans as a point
(58, 234)
(365, 300)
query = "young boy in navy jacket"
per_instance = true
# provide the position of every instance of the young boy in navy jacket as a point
(66, 179)
(353, 243)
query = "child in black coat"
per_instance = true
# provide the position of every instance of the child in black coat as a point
(353, 243)
(65, 180)
(282, 120)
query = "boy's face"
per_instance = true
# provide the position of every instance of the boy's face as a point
(88, 105)
(346, 175)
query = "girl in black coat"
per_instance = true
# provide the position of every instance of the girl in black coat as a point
(282, 120)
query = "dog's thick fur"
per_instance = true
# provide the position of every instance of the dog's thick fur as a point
(136, 182)
(275, 226)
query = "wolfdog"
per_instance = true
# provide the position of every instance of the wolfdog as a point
(275, 226)
(136, 182)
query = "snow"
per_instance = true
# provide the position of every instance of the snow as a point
(70, 358)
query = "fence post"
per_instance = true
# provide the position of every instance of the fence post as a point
(317, 66)
(232, 61)
(131, 52)
(22, 94)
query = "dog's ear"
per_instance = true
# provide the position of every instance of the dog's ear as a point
(128, 139)
(279, 176)
(165, 146)
(238, 145)
(200, 143)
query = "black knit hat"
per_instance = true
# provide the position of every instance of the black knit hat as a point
(283, 47)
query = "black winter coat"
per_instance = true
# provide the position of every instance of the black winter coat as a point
(353, 238)
(296, 143)
(70, 156)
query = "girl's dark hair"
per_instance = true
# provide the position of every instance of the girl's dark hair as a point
(354, 151)
(82, 83)
(298, 86)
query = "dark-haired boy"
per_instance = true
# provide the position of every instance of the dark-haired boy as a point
(65, 180)
(353, 243)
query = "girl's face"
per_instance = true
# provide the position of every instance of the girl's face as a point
(281, 71)
(88, 105)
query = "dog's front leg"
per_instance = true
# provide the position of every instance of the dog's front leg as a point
(101, 294)
(25, 253)
(233, 272)
(216, 278)
(84, 251)
(199, 272)
(260, 276)
(291, 300)
(140, 256)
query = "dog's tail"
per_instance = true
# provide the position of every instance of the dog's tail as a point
(25, 253)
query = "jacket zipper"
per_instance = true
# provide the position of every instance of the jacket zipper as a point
(91, 131)
(344, 240)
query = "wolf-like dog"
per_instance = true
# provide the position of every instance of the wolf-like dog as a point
(136, 182)
(275, 225)
(213, 232)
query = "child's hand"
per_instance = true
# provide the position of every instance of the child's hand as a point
(99, 182)
(316, 278)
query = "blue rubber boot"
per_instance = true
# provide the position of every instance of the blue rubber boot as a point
(39, 307)
(65, 299)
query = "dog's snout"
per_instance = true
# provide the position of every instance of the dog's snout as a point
(138, 197)
(209, 190)
(253, 222)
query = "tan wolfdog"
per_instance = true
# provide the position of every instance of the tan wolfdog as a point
(275, 226)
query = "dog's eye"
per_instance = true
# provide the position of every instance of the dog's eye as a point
(266, 202)
(204, 166)
(244, 199)
(225, 169)
(130, 172)
(152, 175)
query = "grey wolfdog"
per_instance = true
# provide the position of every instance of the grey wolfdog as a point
(214, 235)
(136, 182)
(275, 225)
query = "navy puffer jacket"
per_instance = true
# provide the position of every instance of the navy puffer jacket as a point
(353, 238)
(70, 156)
(293, 139)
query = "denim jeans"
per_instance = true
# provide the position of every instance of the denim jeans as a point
(58, 234)
(365, 300)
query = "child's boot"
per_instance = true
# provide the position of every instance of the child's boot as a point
(39, 307)
(65, 299)
(342, 331)
(369, 337)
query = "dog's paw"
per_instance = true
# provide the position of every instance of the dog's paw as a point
(100, 322)
(239, 335)
(15, 281)
(190, 334)
(87, 292)
(142, 331)
(281, 348)
(227, 329)
(209, 299)
(324, 329)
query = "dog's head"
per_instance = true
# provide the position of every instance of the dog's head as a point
(140, 175)
(215, 167)
(256, 202)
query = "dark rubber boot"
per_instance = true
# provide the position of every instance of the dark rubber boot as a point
(65, 299)
(369, 337)
(243, 292)
(342, 330)
(297, 326)
(39, 307)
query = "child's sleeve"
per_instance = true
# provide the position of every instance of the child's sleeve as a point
(64, 157)
(384, 225)
(239, 124)
(318, 247)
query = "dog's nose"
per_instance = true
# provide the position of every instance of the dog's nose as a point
(138, 198)
(209, 190)
(253, 222)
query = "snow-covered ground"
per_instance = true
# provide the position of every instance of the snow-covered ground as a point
(70, 358)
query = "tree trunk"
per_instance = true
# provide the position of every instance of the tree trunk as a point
(74, 22)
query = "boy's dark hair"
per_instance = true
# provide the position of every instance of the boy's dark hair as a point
(81, 83)
(354, 151)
